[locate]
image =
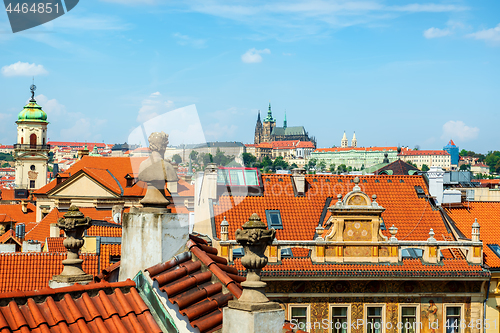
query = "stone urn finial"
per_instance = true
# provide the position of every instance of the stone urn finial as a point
(255, 237)
(74, 223)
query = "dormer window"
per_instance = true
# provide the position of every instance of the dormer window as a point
(274, 219)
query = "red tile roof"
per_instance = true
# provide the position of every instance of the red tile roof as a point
(108, 250)
(106, 272)
(336, 149)
(42, 230)
(94, 308)
(414, 268)
(7, 194)
(15, 213)
(193, 289)
(488, 215)
(90, 145)
(9, 235)
(413, 216)
(423, 152)
(33, 270)
(55, 244)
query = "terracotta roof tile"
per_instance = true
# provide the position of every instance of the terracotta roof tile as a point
(423, 152)
(55, 244)
(335, 149)
(7, 194)
(33, 270)
(15, 213)
(108, 250)
(9, 237)
(199, 298)
(414, 268)
(488, 215)
(413, 216)
(94, 308)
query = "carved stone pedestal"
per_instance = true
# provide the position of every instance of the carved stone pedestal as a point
(264, 321)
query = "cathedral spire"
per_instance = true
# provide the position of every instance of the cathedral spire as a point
(344, 143)
(269, 117)
(354, 142)
(284, 121)
(258, 117)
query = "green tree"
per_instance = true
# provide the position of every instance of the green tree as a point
(177, 158)
(293, 166)
(311, 163)
(220, 158)
(425, 167)
(321, 166)
(332, 168)
(465, 167)
(248, 159)
(463, 152)
(342, 168)
(279, 163)
(6, 157)
(5, 165)
(193, 155)
(207, 158)
(266, 162)
(493, 161)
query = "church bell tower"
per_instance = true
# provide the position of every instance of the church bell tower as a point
(31, 151)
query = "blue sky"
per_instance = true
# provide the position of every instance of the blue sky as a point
(396, 72)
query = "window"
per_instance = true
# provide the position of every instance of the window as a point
(32, 184)
(286, 253)
(452, 322)
(339, 318)
(32, 167)
(373, 318)
(495, 248)
(299, 315)
(408, 319)
(274, 219)
(114, 259)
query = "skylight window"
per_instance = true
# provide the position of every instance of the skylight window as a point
(286, 253)
(274, 219)
(239, 252)
(412, 253)
(495, 248)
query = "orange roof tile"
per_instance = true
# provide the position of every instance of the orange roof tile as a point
(7, 194)
(55, 244)
(15, 213)
(413, 216)
(108, 250)
(9, 235)
(414, 268)
(488, 215)
(91, 309)
(199, 298)
(33, 270)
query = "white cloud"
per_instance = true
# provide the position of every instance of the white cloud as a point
(489, 35)
(189, 41)
(69, 126)
(254, 56)
(436, 32)
(457, 129)
(23, 69)
(153, 106)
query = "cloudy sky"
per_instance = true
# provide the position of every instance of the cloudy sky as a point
(396, 72)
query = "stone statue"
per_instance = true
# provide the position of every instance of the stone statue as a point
(155, 171)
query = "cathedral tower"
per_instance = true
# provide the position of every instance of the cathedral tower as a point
(268, 126)
(354, 142)
(258, 131)
(31, 151)
(344, 143)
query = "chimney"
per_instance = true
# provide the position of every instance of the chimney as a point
(299, 181)
(24, 206)
(54, 230)
(205, 192)
(435, 176)
(475, 231)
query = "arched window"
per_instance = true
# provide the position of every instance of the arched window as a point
(33, 141)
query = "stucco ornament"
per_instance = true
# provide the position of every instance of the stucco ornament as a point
(74, 223)
(156, 172)
(255, 237)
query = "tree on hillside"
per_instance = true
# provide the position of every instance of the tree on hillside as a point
(248, 159)
(266, 162)
(425, 167)
(493, 161)
(177, 158)
(312, 163)
(193, 155)
(464, 167)
(207, 158)
(280, 164)
(332, 168)
(321, 166)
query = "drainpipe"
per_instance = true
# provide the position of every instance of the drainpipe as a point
(484, 303)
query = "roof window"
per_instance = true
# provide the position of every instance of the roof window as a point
(495, 248)
(286, 253)
(412, 253)
(239, 252)
(274, 219)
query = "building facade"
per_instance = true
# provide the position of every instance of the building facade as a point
(355, 157)
(453, 150)
(439, 158)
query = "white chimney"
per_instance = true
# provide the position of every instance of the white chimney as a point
(54, 230)
(435, 176)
